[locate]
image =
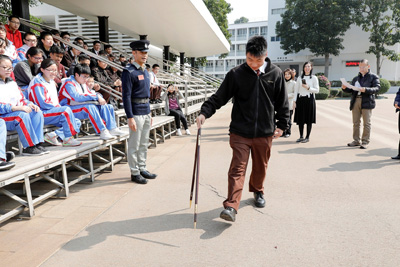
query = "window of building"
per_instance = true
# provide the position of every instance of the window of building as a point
(253, 31)
(240, 61)
(210, 64)
(232, 32)
(273, 38)
(241, 34)
(277, 11)
(263, 31)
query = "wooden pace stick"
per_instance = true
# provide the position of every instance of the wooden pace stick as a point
(197, 177)
(194, 171)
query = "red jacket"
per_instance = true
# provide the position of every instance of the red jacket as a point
(15, 38)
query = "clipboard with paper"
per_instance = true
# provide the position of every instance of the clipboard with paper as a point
(355, 87)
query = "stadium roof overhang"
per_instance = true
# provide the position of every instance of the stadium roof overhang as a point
(185, 25)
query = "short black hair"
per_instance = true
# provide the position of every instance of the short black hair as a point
(82, 69)
(83, 56)
(28, 33)
(107, 46)
(96, 42)
(102, 53)
(46, 63)
(155, 66)
(34, 51)
(57, 50)
(78, 39)
(77, 44)
(4, 57)
(147, 66)
(257, 46)
(64, 33)
(12, 16)
(55, 32)
(44, 34)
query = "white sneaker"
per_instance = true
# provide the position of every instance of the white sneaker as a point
(187, 132)
(51, 138)
(117, 132)
(70, 141)
(178, 132)
(105, 135)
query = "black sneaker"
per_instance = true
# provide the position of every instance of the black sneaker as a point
(31, 151)
(228, 214)
(44, 150)
(6, 165)
(10, 156)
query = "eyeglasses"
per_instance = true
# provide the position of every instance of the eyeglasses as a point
(15, 22)
(7, 68)
(38, 58)
(53, 71)
(31, 40)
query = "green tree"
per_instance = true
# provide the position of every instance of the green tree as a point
(382, 20)
(316, 25)
(241, 20)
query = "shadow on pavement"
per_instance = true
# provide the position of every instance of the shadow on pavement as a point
(98, 233)
(358, 165)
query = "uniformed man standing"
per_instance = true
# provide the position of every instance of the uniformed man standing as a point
(135, 95)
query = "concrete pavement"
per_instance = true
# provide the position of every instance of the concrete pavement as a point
(327, 205)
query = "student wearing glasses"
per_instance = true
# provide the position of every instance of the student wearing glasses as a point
(13, 34)
(24, 71)
(19, 114)
(75, 94)
(30, 40)
(43, 92)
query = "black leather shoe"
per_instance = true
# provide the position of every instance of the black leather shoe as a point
(6, 165)
(148, 175)
(228, 214)
(306, 140)
(300, 140)
(259, 200)
(396, 157)
(138, 179)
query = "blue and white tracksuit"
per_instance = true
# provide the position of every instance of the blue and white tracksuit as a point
(44, 94)
(101, 116)
(3, 138)
(28, 125)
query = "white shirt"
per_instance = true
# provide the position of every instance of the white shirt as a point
(10, 93)
(312, 83)
(153, 79)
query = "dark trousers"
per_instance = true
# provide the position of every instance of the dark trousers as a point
(179, 117)
(155, 92)
(260, 149)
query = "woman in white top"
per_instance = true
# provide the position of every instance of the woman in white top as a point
(290, 85)
(10, 51)
(306, 87)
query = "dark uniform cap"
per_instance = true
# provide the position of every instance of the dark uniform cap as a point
(140, 45)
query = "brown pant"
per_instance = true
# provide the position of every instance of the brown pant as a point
(155, 92)
(260, 149)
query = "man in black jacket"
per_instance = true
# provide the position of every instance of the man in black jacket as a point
(260, 113)
(362, 103)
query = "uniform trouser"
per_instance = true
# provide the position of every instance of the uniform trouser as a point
(3, 138)
(28, 125)
(101, 116)
(137, 144)
(260, 149)
(366, 114)
(179, 117)
(155, 92)
(64, 118)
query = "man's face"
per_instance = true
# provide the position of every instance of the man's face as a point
(85, 62)
(76, 52)
(364, 67)
(82, 79)
(90, 83)
(109, 50)
(97, 47)
(48, 41)
(156, 69)
(140, 57)
(30, 40)
(13, 24)
(67, 38)
(255, 62)
(101, 64)
(56, 57)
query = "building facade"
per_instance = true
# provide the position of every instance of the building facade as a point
(356, 43)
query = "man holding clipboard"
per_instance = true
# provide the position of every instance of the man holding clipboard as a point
(363, 89)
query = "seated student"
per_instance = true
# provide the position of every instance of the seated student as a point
(19, 114)
(25, 70)
(155, 86)
(74, 90)
(56, 54)
(56, 33)
(173, 108)
(66, 37)
(5, 157)
(108, 49)
(43, 92)
(71, 56)
(46, 42)
(29, 40)
(82, 59)
(10, 50)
